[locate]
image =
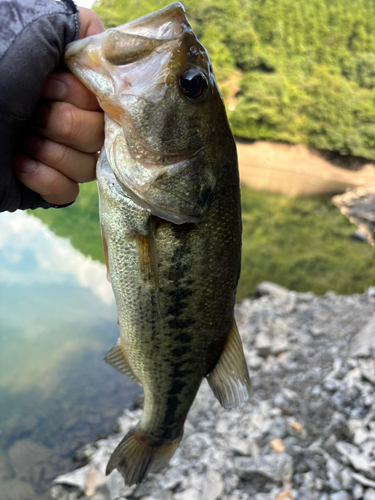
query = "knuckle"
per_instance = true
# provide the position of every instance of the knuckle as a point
(99, 131)
(59, 191)
(68, 125)
(59, 155)
(50, 184)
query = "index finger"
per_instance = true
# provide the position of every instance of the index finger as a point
(65, 87)
(90, 23)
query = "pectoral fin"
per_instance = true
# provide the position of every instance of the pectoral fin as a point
(229, 380)
(105, 248)
(148, 259)
(117, 358)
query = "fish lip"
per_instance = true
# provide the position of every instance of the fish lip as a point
(77, 46)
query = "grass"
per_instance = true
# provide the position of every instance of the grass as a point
(301, 243)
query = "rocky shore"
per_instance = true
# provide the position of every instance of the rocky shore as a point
(308, 432)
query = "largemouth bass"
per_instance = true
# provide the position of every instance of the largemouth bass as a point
(171, 225)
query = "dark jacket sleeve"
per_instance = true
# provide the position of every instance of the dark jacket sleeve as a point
(33, 35)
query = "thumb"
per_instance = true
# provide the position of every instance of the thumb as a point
(90, 23)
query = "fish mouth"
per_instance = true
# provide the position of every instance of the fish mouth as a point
(165, 24)
(132, 41)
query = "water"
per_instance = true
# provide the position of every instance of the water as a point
(57, 320)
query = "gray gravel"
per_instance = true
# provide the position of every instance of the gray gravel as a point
(308, 432)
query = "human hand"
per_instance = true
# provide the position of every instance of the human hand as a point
(59, 148)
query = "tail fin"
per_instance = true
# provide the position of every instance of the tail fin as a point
(137, 455)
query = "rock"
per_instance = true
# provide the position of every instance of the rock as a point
(359, 206)
(333, 470)
(263, 344)
(340, 495)
(213, 487)
(61, 492)
(188, 494)
(367, 370)
(273, 289)
(239, 446)
(196, 443)
(363, 480)
(172, 478)
(308, 430)
(222, 426)
(363, 343)
(279, 344)
(254, 362)
(346, 478)
(77, 478)
(369, 494)
(84, 454)
(358, 460)
(359, 235)
(275, 467)
(357, 491)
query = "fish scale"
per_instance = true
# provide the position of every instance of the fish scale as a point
(171, 225)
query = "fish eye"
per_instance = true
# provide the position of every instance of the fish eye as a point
(193, 83)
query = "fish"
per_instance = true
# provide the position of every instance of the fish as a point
(170, 215)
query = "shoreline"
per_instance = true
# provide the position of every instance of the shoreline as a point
(297, 170)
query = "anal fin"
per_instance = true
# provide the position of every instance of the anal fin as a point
(229, 380)
(117, 358)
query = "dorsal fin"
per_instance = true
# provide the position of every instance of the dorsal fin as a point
(117, 358)
(229, 380)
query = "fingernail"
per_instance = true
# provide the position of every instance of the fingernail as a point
(32, 143)
(25, 165)
(54, 89)
(41, 116)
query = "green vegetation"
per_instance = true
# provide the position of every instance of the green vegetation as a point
(301, 243)
(306, 74)
(306, 68)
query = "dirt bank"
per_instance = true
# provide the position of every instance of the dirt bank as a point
(296, 170)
